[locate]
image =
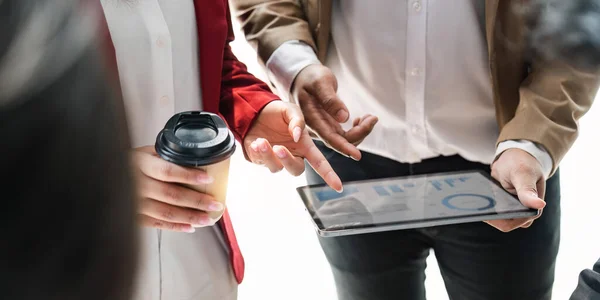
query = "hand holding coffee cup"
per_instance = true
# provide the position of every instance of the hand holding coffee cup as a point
(165, 203)
(183, 178)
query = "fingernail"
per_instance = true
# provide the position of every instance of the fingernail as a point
(343, 154)
(190, 229)
(264, 147)
(332, 178)
(215, 206)
(341, 115)
(280, 153)
(254, 146)
(204, 221)
(205, 179)
(296, 134)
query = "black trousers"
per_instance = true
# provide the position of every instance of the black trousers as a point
(477, 261)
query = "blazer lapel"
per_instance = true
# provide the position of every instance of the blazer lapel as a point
(491, 11)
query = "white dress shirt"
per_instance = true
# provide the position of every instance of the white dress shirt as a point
(157, 55)
(420, 66)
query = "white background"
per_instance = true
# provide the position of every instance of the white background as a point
(284, 259)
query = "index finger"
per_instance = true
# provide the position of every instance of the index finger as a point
(319, 163)
(324, 92)
(159, 169)
(336, 108)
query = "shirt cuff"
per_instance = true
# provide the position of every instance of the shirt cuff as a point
(532, 148)
(287, 61)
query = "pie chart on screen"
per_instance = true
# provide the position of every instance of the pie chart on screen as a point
(469, 202)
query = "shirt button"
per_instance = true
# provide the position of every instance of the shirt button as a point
(164, 100)
(415, 72)
(413, 156)
(416, 130)
(160, 42)
(417, 6)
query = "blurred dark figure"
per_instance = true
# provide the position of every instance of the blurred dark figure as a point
(588, 287)
(565, 30)
(68, 217)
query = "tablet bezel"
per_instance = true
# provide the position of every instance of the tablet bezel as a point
(422, 223)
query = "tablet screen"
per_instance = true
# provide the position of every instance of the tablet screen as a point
(408, 200)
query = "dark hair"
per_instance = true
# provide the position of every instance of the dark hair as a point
(68, 228)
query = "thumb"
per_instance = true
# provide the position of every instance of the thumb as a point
(326, 93)
(525, 184)
(295, 119)
(334, 106)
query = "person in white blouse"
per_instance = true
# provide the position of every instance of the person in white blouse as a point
(174, 56)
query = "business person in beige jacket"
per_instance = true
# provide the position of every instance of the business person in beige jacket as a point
(451, 85)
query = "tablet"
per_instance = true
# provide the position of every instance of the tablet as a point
(409, 202)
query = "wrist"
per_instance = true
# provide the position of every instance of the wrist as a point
(287, 62)
(534, 149)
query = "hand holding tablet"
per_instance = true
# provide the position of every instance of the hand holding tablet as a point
(521, 174)
(410, 202)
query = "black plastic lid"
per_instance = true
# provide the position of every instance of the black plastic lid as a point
(195, 139)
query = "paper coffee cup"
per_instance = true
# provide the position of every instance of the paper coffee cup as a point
(200, 140)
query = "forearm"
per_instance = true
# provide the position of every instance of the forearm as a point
(552, 100)
(267, 24)
(243, 96)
